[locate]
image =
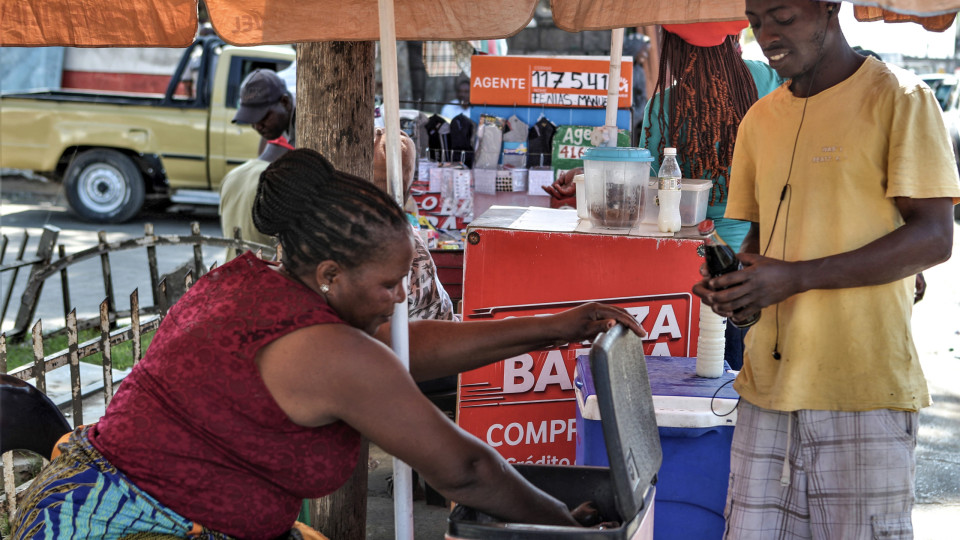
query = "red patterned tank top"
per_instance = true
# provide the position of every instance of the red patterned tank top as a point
(194, 425)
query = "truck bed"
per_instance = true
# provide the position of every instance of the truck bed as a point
(75, 96)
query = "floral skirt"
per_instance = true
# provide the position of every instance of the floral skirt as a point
(80, 495)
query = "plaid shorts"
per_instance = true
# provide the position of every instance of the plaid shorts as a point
(850, 475)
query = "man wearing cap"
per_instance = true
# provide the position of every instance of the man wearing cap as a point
(847, 177)
(268, 106)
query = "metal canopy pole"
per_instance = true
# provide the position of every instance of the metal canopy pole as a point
(402, 477)
(613, 86)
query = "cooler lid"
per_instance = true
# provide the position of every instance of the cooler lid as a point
(617, 153)
(629, 421)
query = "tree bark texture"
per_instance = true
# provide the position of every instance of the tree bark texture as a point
(335, 107)
(335, 103)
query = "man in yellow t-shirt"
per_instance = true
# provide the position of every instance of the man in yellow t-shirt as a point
(848, 179)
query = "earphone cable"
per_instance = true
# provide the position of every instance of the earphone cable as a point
(783, 192)
(714, 398)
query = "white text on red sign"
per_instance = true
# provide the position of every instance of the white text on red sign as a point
(500, 82)
(545, 431)
(518, 372)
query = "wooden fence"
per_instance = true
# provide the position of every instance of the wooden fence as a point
(138, 320)
(36, 371)
(43, 266)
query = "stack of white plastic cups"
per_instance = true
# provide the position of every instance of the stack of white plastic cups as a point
(581, 189)
(711, 344)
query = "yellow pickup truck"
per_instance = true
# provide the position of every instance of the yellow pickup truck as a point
(116, 152)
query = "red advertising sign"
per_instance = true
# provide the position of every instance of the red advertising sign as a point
(429, 204)
(525, 407)
(546, 81)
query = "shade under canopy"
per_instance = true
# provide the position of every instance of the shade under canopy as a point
(173, 23)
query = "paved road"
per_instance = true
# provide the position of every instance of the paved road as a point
(936, 327)
(29, 206)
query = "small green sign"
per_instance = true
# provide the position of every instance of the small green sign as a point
(571, 142)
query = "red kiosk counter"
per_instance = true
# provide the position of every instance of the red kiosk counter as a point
(528, 261)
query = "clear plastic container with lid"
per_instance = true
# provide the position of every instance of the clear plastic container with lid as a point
(615, 179)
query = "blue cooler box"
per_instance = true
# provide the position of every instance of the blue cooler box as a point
(692, 481)
(625, 491)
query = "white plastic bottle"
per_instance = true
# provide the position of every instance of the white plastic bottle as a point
(668, 192)
(711, 343)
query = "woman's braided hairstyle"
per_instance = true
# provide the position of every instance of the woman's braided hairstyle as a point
(710, 91)
(319, 213)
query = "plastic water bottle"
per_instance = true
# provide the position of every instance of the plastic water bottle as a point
(711, 343)
(668, 192)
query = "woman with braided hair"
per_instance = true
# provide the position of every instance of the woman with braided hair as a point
(703, 90)
(261, 380)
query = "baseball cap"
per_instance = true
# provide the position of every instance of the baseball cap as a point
(261, 89)
(707, 34)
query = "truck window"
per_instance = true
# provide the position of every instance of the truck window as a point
(212, 62)
(190, 79)
(240, 67)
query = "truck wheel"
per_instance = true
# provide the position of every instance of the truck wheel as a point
(104, 186)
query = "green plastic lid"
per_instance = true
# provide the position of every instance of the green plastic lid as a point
(617, 153)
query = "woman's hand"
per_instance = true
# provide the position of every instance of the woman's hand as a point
(563, 187)
(563, 191)
(585, 322)
(588, 515)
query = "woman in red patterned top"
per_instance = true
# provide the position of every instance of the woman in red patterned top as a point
(261, 379)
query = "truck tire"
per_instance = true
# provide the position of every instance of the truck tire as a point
(104, 186)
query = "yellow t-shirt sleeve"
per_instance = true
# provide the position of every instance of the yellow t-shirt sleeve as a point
(742, 198)
(920, 162)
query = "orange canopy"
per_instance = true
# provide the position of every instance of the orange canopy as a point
(173, 23)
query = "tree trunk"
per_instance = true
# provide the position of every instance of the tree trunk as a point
(335, 102)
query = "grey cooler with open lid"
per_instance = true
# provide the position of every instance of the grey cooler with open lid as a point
(624, 491)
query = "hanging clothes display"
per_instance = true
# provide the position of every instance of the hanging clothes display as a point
(440, 59)
(540, 142)
(515, 142)
(489, 140)
(436, 128)
(420, 135)
(462, 139)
